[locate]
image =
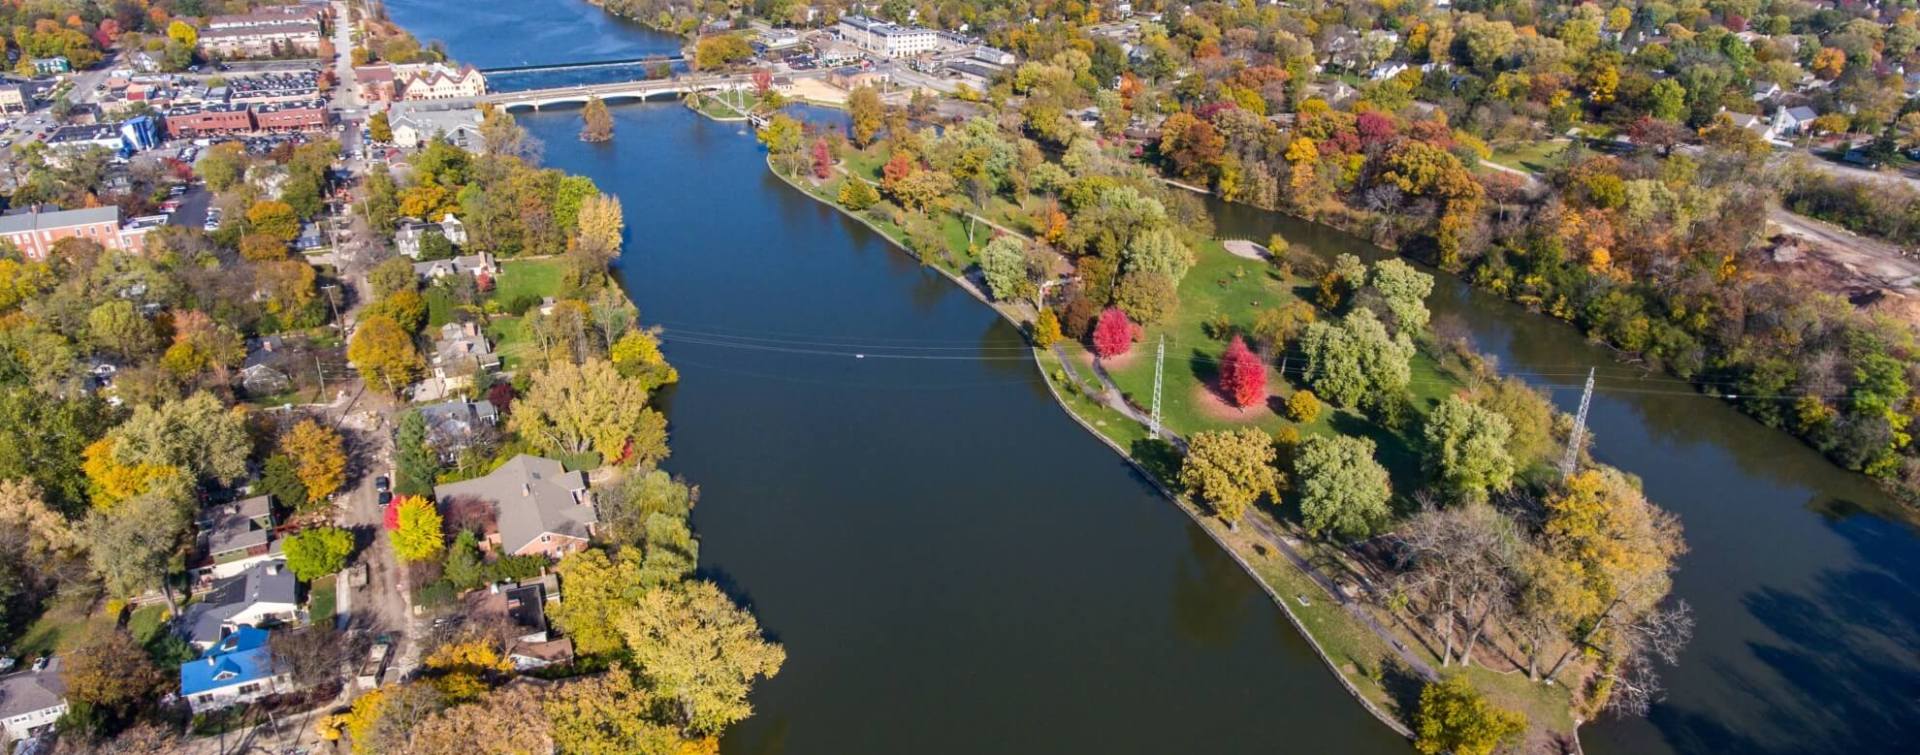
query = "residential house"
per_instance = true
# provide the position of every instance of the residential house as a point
(407, 237)
(523, 608)
(1764, 91)
(262, 594)
(236, 669)
(1792, 121)
(454, 425)
(238, 535)
(461, 350)
(539, 507)
(475, 265)
(413, 128)
(32, 700)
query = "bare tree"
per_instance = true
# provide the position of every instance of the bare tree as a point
(1459, 564)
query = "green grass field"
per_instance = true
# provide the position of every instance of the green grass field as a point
(1533, 157)
(535, 278)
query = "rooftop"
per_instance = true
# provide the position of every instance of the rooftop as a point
(532, 496)
(35, 220)
(239, 658)
(28, 691)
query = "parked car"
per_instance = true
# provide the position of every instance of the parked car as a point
(382, 484)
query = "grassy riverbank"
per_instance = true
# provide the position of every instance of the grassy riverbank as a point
(1222, 284)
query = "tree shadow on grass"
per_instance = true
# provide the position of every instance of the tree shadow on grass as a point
(1392, 451)
(1159, 458)
(1403, 686)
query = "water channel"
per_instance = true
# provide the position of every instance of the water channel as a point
(955, 566)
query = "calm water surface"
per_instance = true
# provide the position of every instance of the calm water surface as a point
(955, 566)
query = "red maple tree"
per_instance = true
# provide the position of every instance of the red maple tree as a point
(822, 159)
(1243, 377)
(1113, 334)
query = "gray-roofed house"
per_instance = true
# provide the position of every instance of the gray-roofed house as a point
(474, 265)
(539, 507)
(454, 425)
(522, 607)
(1791, 121)
(262, 594)
(32, 700)
(238, 535)
(462, 350)
(410, 233)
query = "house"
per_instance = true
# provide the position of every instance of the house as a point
(992, 56)
(452, 426)
(263, 593)
(407, 238)
(1792, 121)
(414, 128)
(236, 669)
(539, 507)
(475, 265)
(435, 81)
(523, 608)
(237, 536)
(32, 700)
(854, 77)
(1764, 91)
(1386, 71)
(264, 380)
(462, 350)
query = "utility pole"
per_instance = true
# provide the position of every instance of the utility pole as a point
(1579, 430)
(1159, 360)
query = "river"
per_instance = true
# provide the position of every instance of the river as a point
(955, 566)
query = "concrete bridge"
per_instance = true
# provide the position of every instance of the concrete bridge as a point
(629, 90)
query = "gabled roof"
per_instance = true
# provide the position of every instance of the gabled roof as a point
(29, 691)
(270, 582)
(532, 496)
(239, 658)
(241, 524)
(34, 220)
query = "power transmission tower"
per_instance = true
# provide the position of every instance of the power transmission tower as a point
(1579, 429)
(1159, 359)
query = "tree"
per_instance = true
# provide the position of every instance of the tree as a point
(110, 672)
(1158, 251)
(1458, 568)
(1404, 290)
(610, 714)
(1455, 718)
(1230, 470)
(1113, 334)
(699, 652)
(1467, 449)
(317, 552)
(419, 538)
(573, 409)
(311, 656)
(1303, 406)
(596, 122)
(1355, 358)
(599, 589)
(198, 434)
(416, 465)
(625, 506)
(822, 159)
(1342, 489)
(116, 326)
(601, 223)
(857, 195)
(380, 128)
(275, 219)
(406, 307)
(1004, 265)
(866, 112)
(184, 33)
(637, 355)
(1622, 549)
(507, 721)
(48, 534)
(318, 456)
(384, 354)
(721, 50)
(146, 533)
(1046, 329)
(1243, 376)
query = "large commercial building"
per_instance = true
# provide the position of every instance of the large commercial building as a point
(281, 31)
(883, 38)
(14, 99)
(229, 118)
(417, 83)
(34, 232)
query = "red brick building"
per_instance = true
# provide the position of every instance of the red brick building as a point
(34, 232)
(292, 116)
(208, 120)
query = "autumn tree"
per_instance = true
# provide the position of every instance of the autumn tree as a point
(380, 127)
(1230, 470)
(637, 356)
(319, 458)
(1343, 491)
(612, 714)
(1600, 527)
(383, 351)
(511, 720)
(822, 159)
(1046, 329)
(574, 409)
(49, 536)
(596, 122)
(1113, 334)
(419, 537)
(599, 589)
(1466, 449)
(1243, 375)
(867, 113)
(1455, 718)
(198, 434)
(274, 219)
(699, 652)
(1303, 406)
(109, 672)
(857, 195)
(317, 552)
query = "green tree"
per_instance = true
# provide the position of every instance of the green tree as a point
(317, 552)
(627, 505)
(573, 409)
(416, 466)
(867, 113)
(1003, 262)
(1404, 291)
(610, 714)
(1355, 358)
(116, 326)
(1230, 470)
(146, 536)
(1669, 100)
(1455, 718)
(392, 276)
(420, 537)
(197, 433)
(700, 652)
(1342, 489)
(465, 568)
(1158, 251)
(599, 589)
(383, 352)
(1466, 449)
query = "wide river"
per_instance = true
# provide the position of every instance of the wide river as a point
(956, 567)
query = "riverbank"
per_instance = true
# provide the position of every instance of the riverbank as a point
(1380, 665)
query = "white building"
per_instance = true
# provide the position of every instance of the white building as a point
(883, 38)
(30, 701)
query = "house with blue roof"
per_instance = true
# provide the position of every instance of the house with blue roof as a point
(237, 669)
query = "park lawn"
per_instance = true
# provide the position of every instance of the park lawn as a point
(1533, 157)
(865, 162)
